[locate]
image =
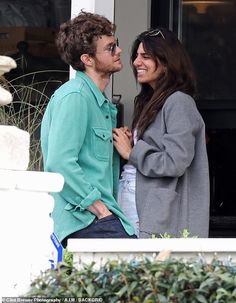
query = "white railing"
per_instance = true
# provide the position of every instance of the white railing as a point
(100, 250)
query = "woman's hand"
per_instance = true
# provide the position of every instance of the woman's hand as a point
(122, 138)
(127, 131)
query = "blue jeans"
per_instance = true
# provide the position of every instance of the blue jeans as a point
(126, 200)
(108, 227)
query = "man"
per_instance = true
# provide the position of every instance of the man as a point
(76, 134)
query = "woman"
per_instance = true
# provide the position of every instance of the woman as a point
(167, 167)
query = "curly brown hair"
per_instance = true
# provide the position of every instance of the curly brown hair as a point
(78, 35)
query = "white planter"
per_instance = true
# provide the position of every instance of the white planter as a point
(100, 250)
(6, 64)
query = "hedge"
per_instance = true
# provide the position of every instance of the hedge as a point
(146, 280)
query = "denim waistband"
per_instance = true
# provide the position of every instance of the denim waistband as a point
(127, 176)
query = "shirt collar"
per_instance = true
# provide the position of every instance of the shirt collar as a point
(100, 97)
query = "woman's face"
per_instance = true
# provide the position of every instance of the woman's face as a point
(148, 71)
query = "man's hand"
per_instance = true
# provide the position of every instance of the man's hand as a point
(99, 209)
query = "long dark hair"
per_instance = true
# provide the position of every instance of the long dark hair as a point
(165, 48)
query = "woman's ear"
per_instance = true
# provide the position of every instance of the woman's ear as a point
(165, 69)
(86, 59)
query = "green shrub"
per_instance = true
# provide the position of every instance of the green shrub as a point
(146, 280)
(182, 234)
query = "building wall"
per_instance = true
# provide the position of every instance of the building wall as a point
(131, 18)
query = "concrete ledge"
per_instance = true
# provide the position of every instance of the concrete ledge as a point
(30, 181)
(99, 250)
(152, 245)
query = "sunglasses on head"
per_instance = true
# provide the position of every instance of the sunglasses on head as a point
(153, 33)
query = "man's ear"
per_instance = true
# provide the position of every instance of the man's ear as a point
(86, 59)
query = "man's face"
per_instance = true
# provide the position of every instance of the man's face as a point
(107, 57)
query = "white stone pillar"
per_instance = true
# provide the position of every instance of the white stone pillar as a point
(25, 207)
(102, 7)
(25, 227)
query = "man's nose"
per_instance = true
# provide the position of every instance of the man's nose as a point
(118, 49)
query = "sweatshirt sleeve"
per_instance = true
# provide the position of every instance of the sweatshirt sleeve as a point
(68, 123)
(175, 152)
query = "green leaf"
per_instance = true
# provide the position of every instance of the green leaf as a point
(99, 292)
(162, 298)
(90, 290)
(201, 299)
(133, 285)
(121, 291)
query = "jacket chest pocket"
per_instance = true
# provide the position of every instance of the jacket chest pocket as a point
(101, 143)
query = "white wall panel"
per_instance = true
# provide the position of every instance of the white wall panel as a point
(131, 18)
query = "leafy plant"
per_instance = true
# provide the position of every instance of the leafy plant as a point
(31, 93)
(183, 234)
(146, 280)
(67, 257)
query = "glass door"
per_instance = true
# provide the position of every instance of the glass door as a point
(206, 28)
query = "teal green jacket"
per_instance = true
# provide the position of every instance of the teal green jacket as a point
(76, 141)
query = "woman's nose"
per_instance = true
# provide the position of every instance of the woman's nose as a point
(136, 62)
